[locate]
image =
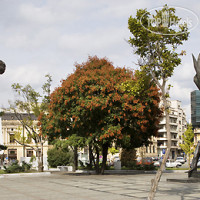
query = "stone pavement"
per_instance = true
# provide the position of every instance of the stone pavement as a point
(92, 187)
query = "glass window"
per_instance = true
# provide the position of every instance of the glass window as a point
(12, 154)
(12, 138)
(29, 153)
(38, 153)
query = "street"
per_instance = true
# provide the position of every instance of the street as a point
(92, 187)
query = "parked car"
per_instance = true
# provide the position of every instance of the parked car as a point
(180, 159)
(157, 163)
(198, 164)
(155, 158)
(116, 158)
(145, 161)
(178, 163)
(171, 164)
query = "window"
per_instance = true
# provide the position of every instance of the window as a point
(38, 153)
(154, 149)
(174, 136)
(12, 138)
(29, 153)
(12, 154)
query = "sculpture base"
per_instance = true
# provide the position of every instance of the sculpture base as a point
(186, 180)
(195, 174)
(194, 178)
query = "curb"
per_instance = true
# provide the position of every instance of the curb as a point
(83, 172)
(25, 174)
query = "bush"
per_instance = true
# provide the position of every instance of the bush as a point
(59, 156)
(16, 168)
(25, 166)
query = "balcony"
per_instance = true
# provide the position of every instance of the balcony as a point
(162, 147)
(174, 139)
(174, 147)
(162, 130)
(161, 138)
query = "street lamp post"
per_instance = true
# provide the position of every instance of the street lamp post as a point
(2, 70)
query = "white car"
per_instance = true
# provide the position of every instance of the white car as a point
(156, 163)
(198, 163)
(171, 164)
(180, 159)
(178, 163)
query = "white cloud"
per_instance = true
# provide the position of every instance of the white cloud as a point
(40, 37)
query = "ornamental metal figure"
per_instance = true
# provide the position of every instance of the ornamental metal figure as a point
(2, 67)
(197, 69)
(197, 150)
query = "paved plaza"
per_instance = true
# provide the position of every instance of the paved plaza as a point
(95, 187)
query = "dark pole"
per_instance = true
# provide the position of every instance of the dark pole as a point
(2, 70)
(2, 67)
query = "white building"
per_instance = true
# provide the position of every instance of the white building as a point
(178, 126)
(10, 129)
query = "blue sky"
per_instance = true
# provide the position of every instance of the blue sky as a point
(48, 36)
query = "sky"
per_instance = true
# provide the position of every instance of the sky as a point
(39, 37)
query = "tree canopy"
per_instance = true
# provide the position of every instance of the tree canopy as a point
(27, 108)
(156, 38)
(188, 144)
(92, 103)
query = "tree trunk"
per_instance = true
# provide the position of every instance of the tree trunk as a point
(42, 163)
(91, 157)
(105, 153)
(155, 181)
(40, 158)
(75, 158)
(189, 160)
(97, 160)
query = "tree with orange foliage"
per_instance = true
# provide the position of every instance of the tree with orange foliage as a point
(93, 104)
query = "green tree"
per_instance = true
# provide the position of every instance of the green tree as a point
(60, 155)
(113, 150)
(2, 147)
(188, 144)
(91, 103)
(156, 45)
(29, 102)
(75, 142)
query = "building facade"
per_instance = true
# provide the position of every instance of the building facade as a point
(178, 126)
(195, 114)
(12, 130)
(195, 108)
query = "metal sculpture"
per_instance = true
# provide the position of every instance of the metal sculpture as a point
(197, 69)
(197, 150)
(2, 67)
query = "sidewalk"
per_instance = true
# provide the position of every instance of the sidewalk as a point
(92, 187)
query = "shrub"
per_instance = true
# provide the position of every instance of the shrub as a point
(16, 168)
(58, 156)
(25, 166)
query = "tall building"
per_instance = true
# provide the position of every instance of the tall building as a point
(195, 108)
(195, 114)
(178, 125)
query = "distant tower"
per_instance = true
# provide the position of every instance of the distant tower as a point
(195, 108)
